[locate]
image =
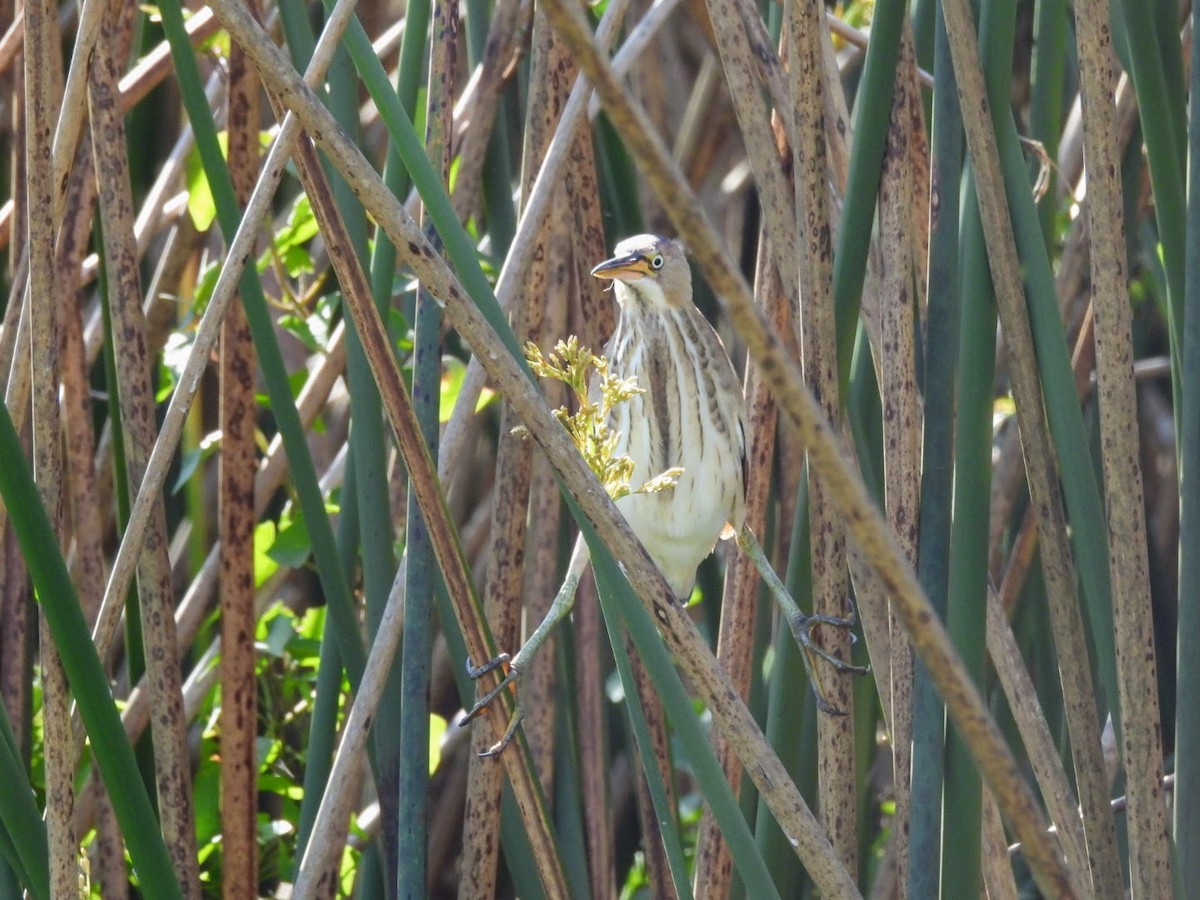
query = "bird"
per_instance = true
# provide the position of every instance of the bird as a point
(688, 415)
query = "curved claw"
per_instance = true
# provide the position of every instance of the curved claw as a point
(476, 672)
(801, 630)
(480, 671)
(497, 748)
(512, 676)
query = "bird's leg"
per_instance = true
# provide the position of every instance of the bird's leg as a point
(564, 600)
(799, 623)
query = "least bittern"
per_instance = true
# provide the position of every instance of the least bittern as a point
(688, 415)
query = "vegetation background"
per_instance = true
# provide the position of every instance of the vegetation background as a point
(272, 366)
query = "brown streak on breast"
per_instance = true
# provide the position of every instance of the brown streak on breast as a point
(661, 451)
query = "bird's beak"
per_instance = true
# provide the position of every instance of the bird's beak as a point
(623, 268)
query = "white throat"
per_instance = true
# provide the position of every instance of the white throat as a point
(643, 294)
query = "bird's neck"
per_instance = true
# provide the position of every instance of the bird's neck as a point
(645, 297)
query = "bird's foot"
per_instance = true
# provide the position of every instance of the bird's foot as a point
(511, 678)
(801, 626)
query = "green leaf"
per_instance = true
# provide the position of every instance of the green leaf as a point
(218, 45)
(264, 540)
(437, 731)
(315, 329)
(297, 326)
(279, 633)
(297, 261)
(207, 792)
(272, 783)
(453, 372)
(312, 624)
(296, 381)
(205, 285)
(301, 226)
(192, 459)
(324, 317)
(175, 354)
(201, 206)
(399, 331)
(292, 546)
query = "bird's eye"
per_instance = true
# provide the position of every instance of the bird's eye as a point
(656, 261)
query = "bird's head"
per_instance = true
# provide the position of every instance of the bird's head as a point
(650, 271)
